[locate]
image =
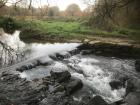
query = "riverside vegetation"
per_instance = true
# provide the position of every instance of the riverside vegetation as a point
(64, 29)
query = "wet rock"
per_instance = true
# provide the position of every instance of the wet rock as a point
(62, 56)
(73, 86)
(21, 92)
(116, 84)
(119, 102)
(57, 99)
(132, 85)
(84, 100)
(74, 52)
(59, 88)
(97, 100)
(86, 52)
(133, 98)
(5, 101)
(25, 67)
(8, 77)
(60, 76)
(137, 65)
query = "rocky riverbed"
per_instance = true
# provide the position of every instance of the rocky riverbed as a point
(74, 77)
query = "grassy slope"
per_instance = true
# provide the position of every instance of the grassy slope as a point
(76, 30)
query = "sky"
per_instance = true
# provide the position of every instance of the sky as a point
(62, 4)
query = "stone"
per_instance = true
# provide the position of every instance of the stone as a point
(132, 85)
(137, 65)
(133, 98)
(73, 86)
(119, 102)
(60, 76)
(116, 84)
(25, 67)
(97, 100)
(86, 52)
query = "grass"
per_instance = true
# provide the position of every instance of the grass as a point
(70, 30)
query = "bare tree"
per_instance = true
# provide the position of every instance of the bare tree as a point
(3, 3)
(104, 11)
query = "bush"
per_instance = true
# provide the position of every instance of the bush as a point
(8, 24)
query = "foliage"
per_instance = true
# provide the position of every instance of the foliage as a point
(107, 14)
(8, 24)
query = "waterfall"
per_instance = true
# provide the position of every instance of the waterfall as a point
(11, 47)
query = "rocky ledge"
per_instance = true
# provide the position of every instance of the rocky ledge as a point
(121, 50)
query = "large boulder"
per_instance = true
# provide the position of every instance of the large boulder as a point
(73, 86)
(132, 85)
(137, 65)
(97, 100)
(133, 98)
(60, 76)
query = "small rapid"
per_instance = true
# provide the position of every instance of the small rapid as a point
(96, 72)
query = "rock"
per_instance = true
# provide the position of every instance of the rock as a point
(62, 55)
(73, 86)
(60, 76)
(133, 98)
(116, 84)
(119, 102)
(132, 85)
(137, 65)
(97, 100)
(74, 52)
(59, 88)
(5, 101)
(57, 99)
(18, 91)
(86, 52)
(25, 67)
(86, 41)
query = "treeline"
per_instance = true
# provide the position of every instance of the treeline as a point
(108, 14)
(72, 10)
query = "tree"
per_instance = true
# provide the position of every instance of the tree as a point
(3, 3)
(53, 11)
(73, 10)
(109, 13)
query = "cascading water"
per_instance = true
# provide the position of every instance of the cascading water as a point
(11, 48)
(95, 72)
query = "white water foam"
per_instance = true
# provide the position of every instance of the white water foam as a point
(39, 50)
(10, 48)
(12, 40)
(98, 79)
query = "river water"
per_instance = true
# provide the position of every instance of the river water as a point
(95, 71)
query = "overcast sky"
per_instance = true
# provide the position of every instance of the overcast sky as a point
(62, 4)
